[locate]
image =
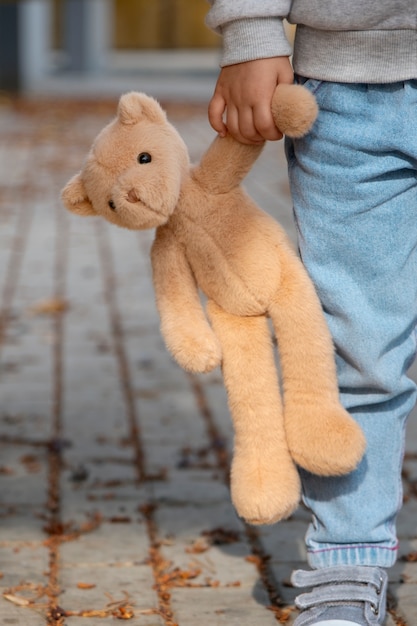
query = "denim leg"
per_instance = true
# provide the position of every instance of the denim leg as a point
(354, 186)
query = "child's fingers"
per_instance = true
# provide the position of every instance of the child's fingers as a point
(249, 125)
(243, 126)
(216, 109)
(264, 122)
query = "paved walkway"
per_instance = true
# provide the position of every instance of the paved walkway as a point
(113, 461)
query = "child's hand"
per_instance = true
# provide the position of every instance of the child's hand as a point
(241, 104)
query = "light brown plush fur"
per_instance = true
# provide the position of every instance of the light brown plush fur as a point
(211, 236)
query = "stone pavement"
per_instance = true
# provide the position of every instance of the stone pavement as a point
(113, 461)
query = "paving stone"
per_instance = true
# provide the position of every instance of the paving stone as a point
(285, 541)
(22, 561)
(12, 614)
(232, 606)
(406, 525)
(110, 583)
(110, 544)
(405, 596)
(210, 542)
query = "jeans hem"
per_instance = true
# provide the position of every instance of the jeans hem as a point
(353, 555)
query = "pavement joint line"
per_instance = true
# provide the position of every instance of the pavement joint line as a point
(259, 558)
(55, 525)
(18, 246)
(155, 558)
(110, 292)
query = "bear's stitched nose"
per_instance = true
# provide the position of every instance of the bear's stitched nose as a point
(132, 197)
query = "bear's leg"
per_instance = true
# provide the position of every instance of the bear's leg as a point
(322, 437)
(265, 485)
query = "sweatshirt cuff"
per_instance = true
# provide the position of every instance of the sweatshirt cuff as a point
(254, 38)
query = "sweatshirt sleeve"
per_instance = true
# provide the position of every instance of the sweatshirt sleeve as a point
(251, 30)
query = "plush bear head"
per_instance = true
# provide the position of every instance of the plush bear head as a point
(133, 173)
(135, 169)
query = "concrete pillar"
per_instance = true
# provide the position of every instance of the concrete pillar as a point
(9, 49)
(87, 34)
(24, 43)
(35, 19)
(26, 34)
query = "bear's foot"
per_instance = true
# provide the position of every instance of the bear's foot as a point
(196, 353)
(324, 441)
(264, 490)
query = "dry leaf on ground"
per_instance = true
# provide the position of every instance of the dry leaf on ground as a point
(50, 306)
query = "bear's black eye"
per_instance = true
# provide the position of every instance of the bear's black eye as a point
(144, 157)
(112, 205)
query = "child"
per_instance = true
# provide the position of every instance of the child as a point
(354, 187)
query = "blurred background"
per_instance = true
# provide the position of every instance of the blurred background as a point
(103, 47)
(98, 427)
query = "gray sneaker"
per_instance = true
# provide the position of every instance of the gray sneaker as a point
(342, 596)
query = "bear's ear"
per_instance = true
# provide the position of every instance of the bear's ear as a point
(135, 106)
(75, 198)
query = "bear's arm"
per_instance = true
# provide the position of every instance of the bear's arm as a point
(184, 326)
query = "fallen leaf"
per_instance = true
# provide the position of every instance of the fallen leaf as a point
(123, 613)
(6, 471)
(88, 613)
(56, 613)
(50, 306)
(86, 585)
(69, 532)
(120, 519)
(31, 463)
(282, 615)
(253, 558)
(178, 577)
(16, 599)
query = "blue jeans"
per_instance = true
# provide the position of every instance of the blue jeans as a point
(354, 187)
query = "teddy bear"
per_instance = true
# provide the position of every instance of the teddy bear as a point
(212, 238)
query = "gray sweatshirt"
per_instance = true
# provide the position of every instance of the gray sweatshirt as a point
(353, 41)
